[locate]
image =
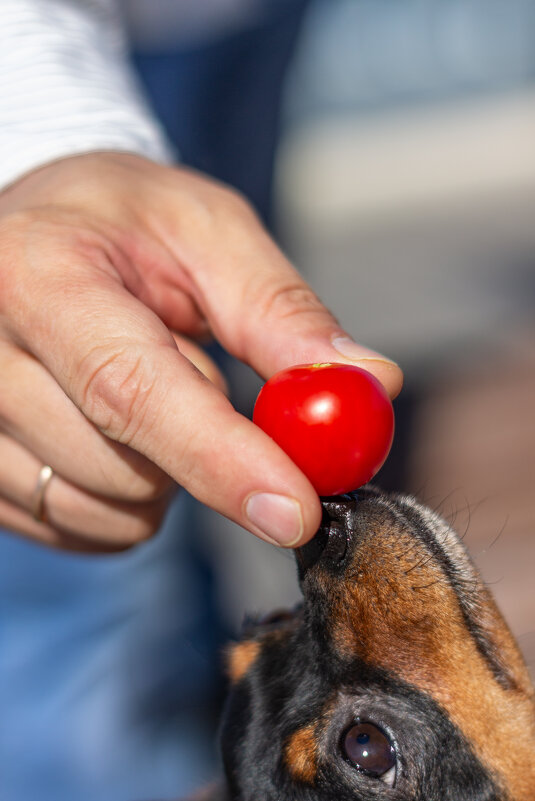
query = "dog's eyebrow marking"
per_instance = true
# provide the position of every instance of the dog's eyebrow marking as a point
(240, 657)
(301, 754)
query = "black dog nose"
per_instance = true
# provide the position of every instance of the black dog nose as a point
(330, 543)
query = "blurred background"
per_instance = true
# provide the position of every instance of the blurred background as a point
(405, 192)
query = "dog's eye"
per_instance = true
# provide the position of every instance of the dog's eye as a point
(370, 751)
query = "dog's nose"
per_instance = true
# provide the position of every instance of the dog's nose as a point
(330, 543)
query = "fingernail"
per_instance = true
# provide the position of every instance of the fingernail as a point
(357, 353)
(277, 518)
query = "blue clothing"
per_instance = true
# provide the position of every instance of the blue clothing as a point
(103, 663)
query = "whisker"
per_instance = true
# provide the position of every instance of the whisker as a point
(421, 492)
(496, 538)
(493, 583)
(525, 634)
(439, 506)
(422, 563)
(431, 584)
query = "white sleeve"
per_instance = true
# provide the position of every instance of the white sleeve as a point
(66, 86)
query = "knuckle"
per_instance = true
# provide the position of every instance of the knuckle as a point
(237, 203)
(117, 390)
(291, 300)
(219, 207)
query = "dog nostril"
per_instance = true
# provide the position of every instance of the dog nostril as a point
(331, 541)
(329, 545)
(336, 547)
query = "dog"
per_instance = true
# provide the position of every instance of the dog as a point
(396, 679)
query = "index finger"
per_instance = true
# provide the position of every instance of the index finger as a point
(118, 363)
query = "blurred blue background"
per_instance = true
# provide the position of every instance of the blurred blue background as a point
(364, 55)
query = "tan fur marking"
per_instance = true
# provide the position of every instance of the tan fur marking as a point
(240, 657)
(301, 754)
(400, 614)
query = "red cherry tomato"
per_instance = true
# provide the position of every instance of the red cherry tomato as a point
(335, 421)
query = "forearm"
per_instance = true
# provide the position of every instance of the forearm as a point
(66, 86)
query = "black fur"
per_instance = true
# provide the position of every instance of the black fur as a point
(299, 674)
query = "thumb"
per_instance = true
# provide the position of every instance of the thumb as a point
(259, 307)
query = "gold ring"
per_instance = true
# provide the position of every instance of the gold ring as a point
(38, 496)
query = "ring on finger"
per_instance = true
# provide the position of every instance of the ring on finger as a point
(38, 495)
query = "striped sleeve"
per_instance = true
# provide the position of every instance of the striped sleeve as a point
(66, 86)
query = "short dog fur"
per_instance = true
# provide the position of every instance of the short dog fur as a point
(397, 639)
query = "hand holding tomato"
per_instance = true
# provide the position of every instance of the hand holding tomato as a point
(335, 421)
(151, 250)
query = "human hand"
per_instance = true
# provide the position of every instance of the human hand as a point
(102, 256)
